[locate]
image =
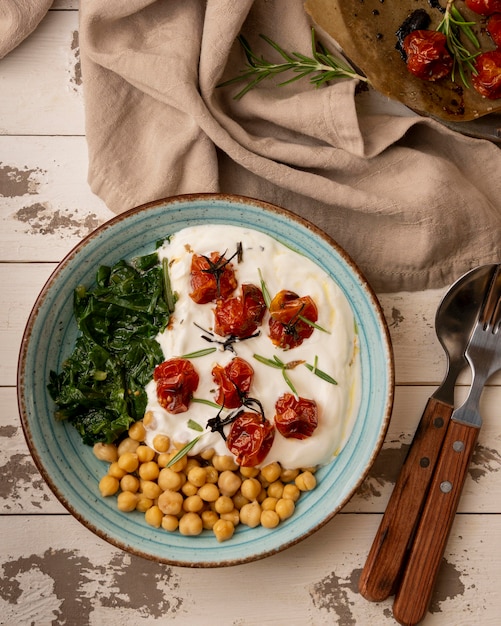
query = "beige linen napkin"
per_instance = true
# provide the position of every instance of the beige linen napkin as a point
(19, 18)
(413, 203)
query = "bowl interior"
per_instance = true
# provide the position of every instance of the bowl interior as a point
(71, 469)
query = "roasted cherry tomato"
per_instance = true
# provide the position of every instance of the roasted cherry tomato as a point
(287, 329)
(211, 278)
(484, 7)
(427, 54)
(176, 381)
(250, 439)
(233, 381)
(241, 315)
(488, 79)
(494, 28)
(295, 418)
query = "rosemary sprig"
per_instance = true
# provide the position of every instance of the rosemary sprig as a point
(183, 451)
(198, 353)
(321, 67)
(279, 364)
(453, 25)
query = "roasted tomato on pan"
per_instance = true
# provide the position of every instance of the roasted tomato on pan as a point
(484, 7)
(427, 54)
(487, 81)
(176, 381)
(241, 315)
(250, 439)
(291, 319)
(233, 381)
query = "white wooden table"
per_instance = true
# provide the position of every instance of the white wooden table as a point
(53, 570)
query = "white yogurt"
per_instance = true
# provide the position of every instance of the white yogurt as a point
(336, 351)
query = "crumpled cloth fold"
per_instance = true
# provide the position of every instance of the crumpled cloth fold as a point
(413, 203)
(18, 19)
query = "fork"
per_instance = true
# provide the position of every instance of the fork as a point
(420, 573)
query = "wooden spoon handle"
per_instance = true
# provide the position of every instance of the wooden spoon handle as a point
(387, 555)
(418, 580)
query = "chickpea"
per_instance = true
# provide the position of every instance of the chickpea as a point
(306, 481)
(190, 524)
(143, 503)
(285, 508)
(229, 483)
(222, 463)
(149, 470)
(197, 475)
(250, 514)
(291, 492)
(170, 522)
(127, 445)
(145, 454)
(190, 464)
(249, 472)
(250, 488)
(223, 530)
(106, 452)
(212, 474)
(193, 504)
(149, 419)
(269, 519)
(116, 471)
(271, 472)
(108, 485)
(137, 431)
(207, 455)
(168, 479)
(209, 518)
(233, 517)
(154, 516)
(189, 489)
(288, 475)
(126, 501)
(239, 500)
(128, 462)
(129, 483)
(150, 489)
(224, 504)
(276, 489)
(269, 504)
(209, 492)
(170, 502)
(163, 459)
(161, 443)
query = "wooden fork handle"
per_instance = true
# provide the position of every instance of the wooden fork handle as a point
(418, 580)
(380, 575)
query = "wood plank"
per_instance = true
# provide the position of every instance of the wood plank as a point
(41, 83)
(21, 284)
(25, 492)
(46, 205)
(58, 572)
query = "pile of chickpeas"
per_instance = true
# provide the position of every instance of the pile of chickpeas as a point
(208, 492)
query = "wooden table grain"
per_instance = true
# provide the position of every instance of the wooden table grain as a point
(55, 571)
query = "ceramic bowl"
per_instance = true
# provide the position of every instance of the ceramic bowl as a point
(71, 469)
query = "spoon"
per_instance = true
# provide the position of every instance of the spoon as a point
(454, 322)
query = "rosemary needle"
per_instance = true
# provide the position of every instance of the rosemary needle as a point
(321, 67)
